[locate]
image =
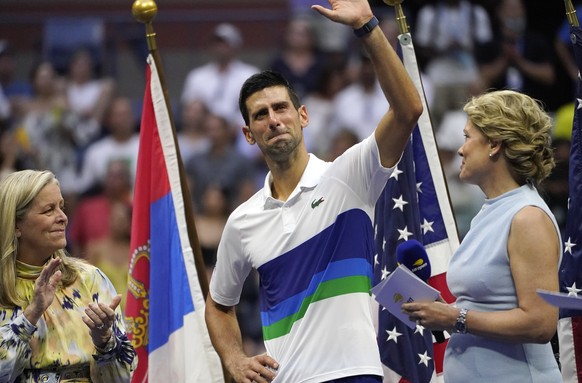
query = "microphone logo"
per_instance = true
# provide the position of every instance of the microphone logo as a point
(418, 265)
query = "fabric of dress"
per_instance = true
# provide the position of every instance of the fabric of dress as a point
(480, 277)
(61, 338)
(314, 254)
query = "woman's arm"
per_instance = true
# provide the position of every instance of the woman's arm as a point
(15, 348)
(116, 359)
(533, 248)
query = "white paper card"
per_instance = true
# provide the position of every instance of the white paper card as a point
(402, 286)
(561, 300)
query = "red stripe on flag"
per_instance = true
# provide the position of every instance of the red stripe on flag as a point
(577, 340)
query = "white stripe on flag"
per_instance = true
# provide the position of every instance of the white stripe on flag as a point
(567, 351)
(439, 253)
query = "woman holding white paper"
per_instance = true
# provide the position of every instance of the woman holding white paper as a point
(500, 327)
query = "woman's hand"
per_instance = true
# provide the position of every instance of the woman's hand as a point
(45, 288)
(100, 318)
(432, 315)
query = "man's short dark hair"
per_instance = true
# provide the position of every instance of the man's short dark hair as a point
(260, 81)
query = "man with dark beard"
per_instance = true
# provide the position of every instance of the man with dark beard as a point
(309, 231)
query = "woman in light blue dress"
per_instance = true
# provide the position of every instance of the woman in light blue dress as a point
(500, 327)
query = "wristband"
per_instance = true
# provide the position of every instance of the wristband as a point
(367, 28)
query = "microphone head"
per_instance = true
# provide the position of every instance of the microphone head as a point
(412, 254)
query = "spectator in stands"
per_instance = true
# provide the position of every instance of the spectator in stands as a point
(361, 104)
(563, 46)
(122, 143)
(210, 221)
(342, 141)
(46, 132)
(91, 220)
(445, 37)
(333, 39)
(111, 253)
(88, 96)
(192, 136)
(8, 153)
(221, 164)
(466, 199)
(299, 60)
(217, 83)
(15, 90)
(320, 103)
(517, 58)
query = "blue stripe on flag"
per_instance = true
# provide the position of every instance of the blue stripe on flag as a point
(571, 266)
(170, 296)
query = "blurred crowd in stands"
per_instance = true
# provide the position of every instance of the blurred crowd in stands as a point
(76, 123)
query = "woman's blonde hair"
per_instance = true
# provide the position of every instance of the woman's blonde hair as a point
(521, 126)
(17, 191)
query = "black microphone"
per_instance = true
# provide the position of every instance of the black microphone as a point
(412, 254)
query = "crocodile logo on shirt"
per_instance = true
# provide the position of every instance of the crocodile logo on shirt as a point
(317, 202)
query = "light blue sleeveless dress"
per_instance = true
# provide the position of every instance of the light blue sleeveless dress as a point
(480, 278)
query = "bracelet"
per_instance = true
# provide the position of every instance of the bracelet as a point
(367, 28)
(461, 323)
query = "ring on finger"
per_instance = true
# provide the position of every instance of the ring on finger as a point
(101, 326)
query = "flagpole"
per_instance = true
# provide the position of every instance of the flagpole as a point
(400, 18)
(144, 11)
(571, 14)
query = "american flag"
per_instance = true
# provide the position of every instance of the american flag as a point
(414, 205)
(570, 325)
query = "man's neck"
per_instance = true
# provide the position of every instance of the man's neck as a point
(286, 176)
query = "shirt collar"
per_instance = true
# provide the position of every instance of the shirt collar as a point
(310, 179)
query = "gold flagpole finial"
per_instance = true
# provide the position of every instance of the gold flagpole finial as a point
(400, 18)
(144, 11)
(571, 14)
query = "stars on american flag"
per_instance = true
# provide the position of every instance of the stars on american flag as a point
(419, 329)
(404, 233)
(393, 335)
(424, 358)
(385, 273)
(569, 245)
(573, 290)
(396, 173)
(399, 203)
(426, 226)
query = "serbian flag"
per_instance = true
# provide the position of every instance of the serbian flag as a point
(414, 205)
(165, 304)
(570, 324)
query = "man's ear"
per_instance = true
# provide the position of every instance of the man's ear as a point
(303, 116)
(248, 135)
